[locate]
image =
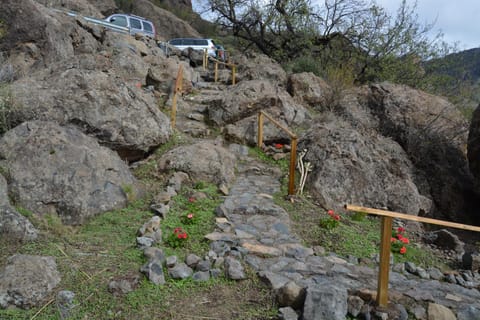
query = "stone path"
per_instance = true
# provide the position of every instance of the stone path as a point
(259, 231)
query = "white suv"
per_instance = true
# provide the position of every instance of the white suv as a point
(136, 24)
(195, 44)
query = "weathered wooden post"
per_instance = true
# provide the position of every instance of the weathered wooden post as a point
(176, 91)
(260, 130)
(386, 235)
(216, 71)
(293, 159)
(233, 74)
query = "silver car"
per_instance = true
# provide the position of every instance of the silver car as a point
(136, 24)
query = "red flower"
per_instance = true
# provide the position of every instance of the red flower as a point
(177, 230)
(399, 236)
(405, 240)
(190, 216)
(336, 217)
(278, 145)
(403, 250)
(392, 239)
(331, 212)
(192, 199)
(400, 230)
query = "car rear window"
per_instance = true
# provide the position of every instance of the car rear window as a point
(147, 26)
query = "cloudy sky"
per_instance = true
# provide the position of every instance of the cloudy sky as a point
(457, 19)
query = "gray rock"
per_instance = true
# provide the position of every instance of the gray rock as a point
(435, 274)
(234, 269)
(287, 313)
(143, 242)
(291, 295)
(446, 240)
(468, 313)
(14, 226)
(160, 209)
(177, 180)
(203, 161)
(355, 304)
(124, 284)
(192, 260)
(422, 273)
(309, 89)
(325, 302)
(411, 267)
(203, 265)
(153, 270)
(61, 171)
(439, 312)
(180, 271)
(215, 273)
(153, 253)
(171, 261)
(26, 281)
(65, 303)
(201, 276)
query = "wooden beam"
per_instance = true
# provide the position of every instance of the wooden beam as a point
(382, 288)
(216, 71)
(404, 216)
(278, 124)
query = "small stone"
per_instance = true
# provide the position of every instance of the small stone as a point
(65, 303)
(435, 274)
(215, 273)
(287, 313)
(192, 260)
(201, 276)
(124, 284)
(437, 312)
(223, 189)
(234, 269)
(291, 295)
(355, 304)
(410, 267)
(153, 253)
(154, 272)
(160, 209)
(180, 271)
(203, 265)
(162, 197)
(143, 242)
(171, 261)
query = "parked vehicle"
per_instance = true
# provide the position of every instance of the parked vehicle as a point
(195, 44)
(135, 24)
(221, 53)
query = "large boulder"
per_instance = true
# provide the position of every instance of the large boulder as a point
(474, 145)
(13, 226)
(27, 281)
(123, 117)
(92, 8)
(59, 170)
(311, 90)
(203, 161)
(363, 168)
(433, 134)
(254, 65)
(239, 106)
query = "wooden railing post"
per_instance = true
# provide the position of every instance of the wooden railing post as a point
(382, 288)
(178, 89)
(260, 130)
(293, 159)
(233, 74)
(216, 71)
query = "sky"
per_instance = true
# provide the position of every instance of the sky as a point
(456, 19)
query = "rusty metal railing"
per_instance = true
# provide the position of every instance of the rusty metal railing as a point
(293, 147)
(385, 244)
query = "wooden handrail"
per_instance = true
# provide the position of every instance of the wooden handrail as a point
(293, 147)
(177, 90)
(385, 244)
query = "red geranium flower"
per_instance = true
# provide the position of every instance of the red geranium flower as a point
(336, 217)
(192, 199)
(400, 230)
(403, 250)
(392, 239)
(278, 145)
(405, 240)
(331, 212)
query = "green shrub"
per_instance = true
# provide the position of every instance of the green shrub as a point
(6, 105)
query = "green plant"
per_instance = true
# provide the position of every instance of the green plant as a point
(330, 222)
(6, 105)
(177, 238)
(399, 242)
(358, 216)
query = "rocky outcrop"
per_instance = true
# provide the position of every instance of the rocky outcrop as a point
(474, 145)
(360, 167)
(253, 66)
(92, 8)
(27, 281)
(238, 109)
(61, 171)
(311, 90)
(168, 25)
(203, 161)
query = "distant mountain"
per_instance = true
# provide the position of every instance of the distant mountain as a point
(457, 76)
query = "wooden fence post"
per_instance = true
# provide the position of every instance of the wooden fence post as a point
(260, 130)
(233, 74)
(178, 89)
(216, 71)
(382, 288)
